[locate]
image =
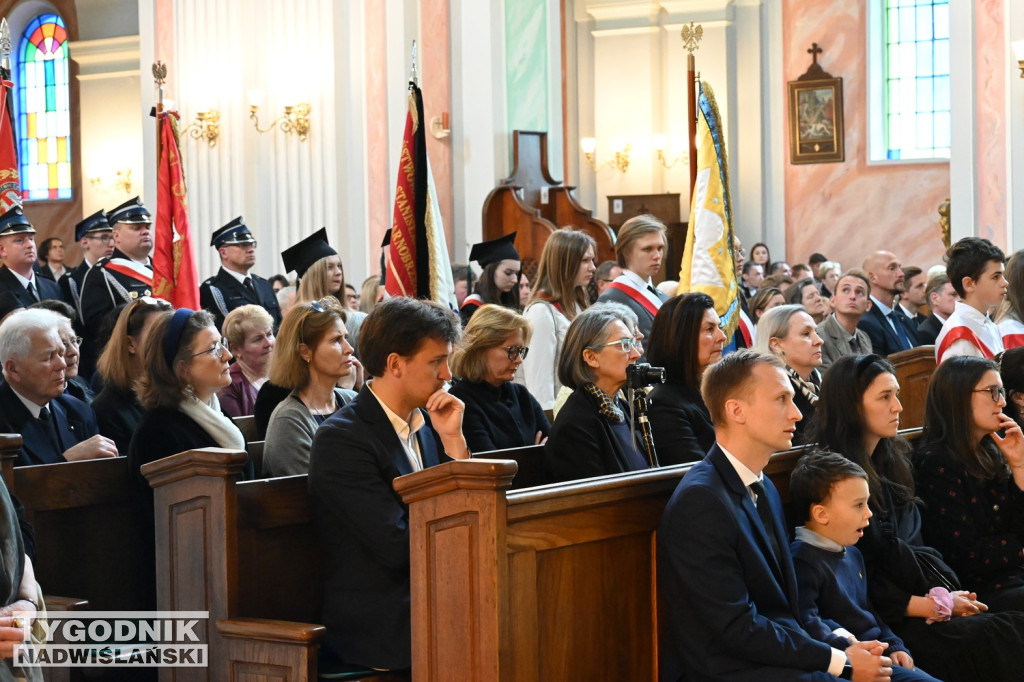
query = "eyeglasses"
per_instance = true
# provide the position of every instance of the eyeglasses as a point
(997, 392)
(217, 351)
(742, 253)
(628, 344)
(72, 341)
(515, 351)
(102, 238)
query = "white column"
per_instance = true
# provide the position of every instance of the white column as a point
(1014, 13)
(963, 171)
(773, 117)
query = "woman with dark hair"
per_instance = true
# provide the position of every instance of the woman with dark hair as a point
(591, 435)
(760, 254)
(117, 409)
(1011, 371)
(499, 281)
(805, 292)
(970, 475)
(686, 338)
(1010, 317)
(909, 584)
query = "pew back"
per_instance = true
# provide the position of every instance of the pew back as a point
(914, 369)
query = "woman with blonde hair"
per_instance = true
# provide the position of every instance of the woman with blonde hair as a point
(313, 355)
(789, 333)
(370, 294)
(249, 330)
(499, 414)
(559, 295)
(117, 409)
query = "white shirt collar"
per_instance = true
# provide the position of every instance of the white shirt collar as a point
(746, 475)
(971, 313)
(406, 431)
(636, 280)
(25, 282)
(33, 408)
(238, 276)
(907, 312)
(881, 306)
(818, 540)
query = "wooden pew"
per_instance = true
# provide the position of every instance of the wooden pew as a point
(529, 461)
(914, 369)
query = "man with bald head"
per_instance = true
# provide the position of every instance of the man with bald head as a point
(888, 328)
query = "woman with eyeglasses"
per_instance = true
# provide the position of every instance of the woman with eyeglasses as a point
(789, 333)
(949, 628)
(249, 330)
(76, 385)
(313, 355)
(969, 473)
(117, 408)
(686, 339)
(591, 435)
(500, 414)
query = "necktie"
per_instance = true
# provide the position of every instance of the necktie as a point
(765, 512)
(898, 324)
(51, 429)
(855, 344)
(247, 283)
(32, 292)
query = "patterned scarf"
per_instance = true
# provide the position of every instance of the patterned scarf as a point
(607, 406)
(810, 388)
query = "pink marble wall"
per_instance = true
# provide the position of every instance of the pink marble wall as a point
(846, 210)
(990, 109)
(435, 81)
(378, 184)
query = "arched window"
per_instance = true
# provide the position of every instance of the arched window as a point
(41, 103)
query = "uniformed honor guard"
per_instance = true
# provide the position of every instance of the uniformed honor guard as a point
(18, 254)
(234, 286)
(120, 278)
(93, 236)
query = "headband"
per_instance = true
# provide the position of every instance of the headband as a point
(173, 336)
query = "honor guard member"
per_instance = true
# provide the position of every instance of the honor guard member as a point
(119, 278)
(93, 236)
(233, 286)
(18, 254)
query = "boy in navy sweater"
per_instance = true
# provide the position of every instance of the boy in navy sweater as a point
(831, 493)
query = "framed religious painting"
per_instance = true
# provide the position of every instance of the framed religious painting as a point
(816, 116)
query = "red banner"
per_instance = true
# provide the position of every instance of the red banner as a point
(10, 183)
(402, 265)
(175, 278)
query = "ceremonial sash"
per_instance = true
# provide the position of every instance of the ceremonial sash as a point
(1012, 332)
(130, 268)
(748, 338)
(472, 299)
(961, 334)
(636, 296)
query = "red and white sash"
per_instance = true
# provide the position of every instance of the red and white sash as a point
(961, 333)
(133, 269)
(1012, 332)
(637, 296)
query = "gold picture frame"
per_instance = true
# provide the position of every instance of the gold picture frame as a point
(816, 121)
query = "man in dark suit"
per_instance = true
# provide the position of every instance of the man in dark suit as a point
(888, 328)
(942, 298)
(234, 286)
(94, 237)
(18, 254)
(54, 427)
(118, 279)
(402, 421)
(725, 573)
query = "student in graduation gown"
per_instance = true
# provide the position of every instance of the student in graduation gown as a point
(499, 281)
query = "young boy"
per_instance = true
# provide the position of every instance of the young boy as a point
(975, 269)
(832, 493)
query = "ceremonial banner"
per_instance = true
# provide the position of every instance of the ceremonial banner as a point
(10, 183)
(418, 263)
(708, 266)
(174, 269)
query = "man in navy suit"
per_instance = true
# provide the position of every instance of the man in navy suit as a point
(18, 253)
(724, 570)
(54, 427)
(402, 421)
(889, 329)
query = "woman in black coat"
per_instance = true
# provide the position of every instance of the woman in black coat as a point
(500, 414)
(685, 340)
(591, 435)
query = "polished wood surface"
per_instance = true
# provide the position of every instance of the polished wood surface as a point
(914, 369)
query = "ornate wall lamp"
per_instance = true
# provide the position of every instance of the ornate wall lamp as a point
(206, 126)
(660, 144)
(294, 120)
(620, 150)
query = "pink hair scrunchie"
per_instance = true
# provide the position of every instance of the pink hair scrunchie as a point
(943, 604)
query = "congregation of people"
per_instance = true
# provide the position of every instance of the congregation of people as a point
(893, 557)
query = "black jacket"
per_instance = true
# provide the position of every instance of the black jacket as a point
(929, 330)
(74, 419)
(883, 338)
(681, 424)
(117, 414)
(582, 443)
(46, 288)
(222, 293)
(499, 417)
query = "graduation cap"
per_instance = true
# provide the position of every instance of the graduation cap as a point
(495, 250)
(131, 211)
(97, 222)
(299, 257)
(383, 263)
(15, 222)
(234, 233)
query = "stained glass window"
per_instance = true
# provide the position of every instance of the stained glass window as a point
(917, 104)
(43, 113)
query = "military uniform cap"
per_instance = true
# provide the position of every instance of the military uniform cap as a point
(15, 222)
(299, 257)
(235, 232)
(97, 222)
(131, 211)
(495, 250)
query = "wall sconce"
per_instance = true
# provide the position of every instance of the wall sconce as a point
(122, 181)
(620, 149)
(660, 144)
(294, 120)
(1018, 52)
(205, 127)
